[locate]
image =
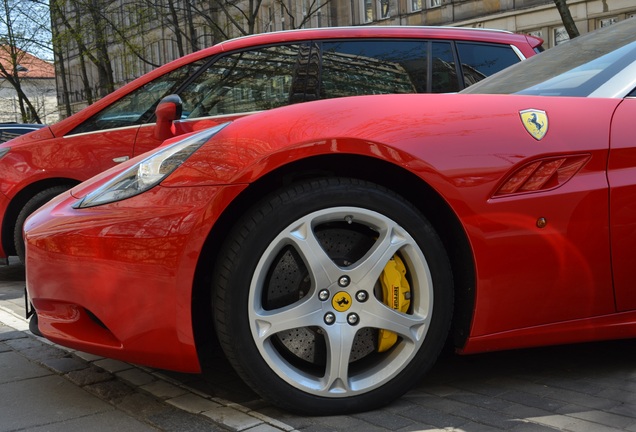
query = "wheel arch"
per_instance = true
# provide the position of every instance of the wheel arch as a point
(19, 200)
(378, 171)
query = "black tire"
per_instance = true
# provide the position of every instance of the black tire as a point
(271, 319)
(34, 203)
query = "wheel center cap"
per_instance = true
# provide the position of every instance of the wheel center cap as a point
(341, 301)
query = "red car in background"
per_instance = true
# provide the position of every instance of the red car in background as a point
(232, 79)
(335, 245)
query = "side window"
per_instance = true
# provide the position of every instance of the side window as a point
(243, 82)
(138, 106)
(444, 71)
(481, 60)
(373, 67)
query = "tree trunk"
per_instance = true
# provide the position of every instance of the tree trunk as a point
(567, 19)
(59, 55)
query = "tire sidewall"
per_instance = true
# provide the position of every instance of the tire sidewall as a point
(34, 203)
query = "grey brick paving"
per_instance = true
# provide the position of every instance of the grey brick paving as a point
(605, 418)
(532, 400)
(142, 405)
(434, 417)
(136, 377)
(8, 333)
(386, 420)
(111, 391)
(627, 409)
(179, 421)
(89, 375)
(14, 368)
(64, 364)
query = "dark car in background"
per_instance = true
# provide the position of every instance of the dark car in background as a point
(10, 130)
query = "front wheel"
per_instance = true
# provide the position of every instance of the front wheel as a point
(333, 296)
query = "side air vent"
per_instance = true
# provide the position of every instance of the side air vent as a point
(540, 175)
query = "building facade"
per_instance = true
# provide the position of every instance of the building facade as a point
(140, 35)
(536, 17)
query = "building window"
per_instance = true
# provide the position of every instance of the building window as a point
(385, 9)
(416, 5)
(560, 35)
(537, 33)
(434, 3)
(606, 22)
(367, 10)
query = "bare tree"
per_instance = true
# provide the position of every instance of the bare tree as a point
(101, 57)
(23, 28)
(83, 23)
(566, 17)
(182, 20)
(311, 9)
(242, 16)
(69, 37)
(59, 54)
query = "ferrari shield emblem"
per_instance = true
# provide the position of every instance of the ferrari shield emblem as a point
(535, 122)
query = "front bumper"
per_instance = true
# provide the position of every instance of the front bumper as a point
(116, 280)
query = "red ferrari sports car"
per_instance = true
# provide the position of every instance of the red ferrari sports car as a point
(334, 246)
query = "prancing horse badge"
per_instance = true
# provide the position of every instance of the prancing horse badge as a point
(535, 122)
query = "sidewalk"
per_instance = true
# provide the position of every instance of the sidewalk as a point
(44, 387)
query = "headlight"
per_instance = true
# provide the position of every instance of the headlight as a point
(149, 172)
(4, 151)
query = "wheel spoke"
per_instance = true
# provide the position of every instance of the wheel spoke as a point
(378, 315)
(368, 270)
(306, 313)
(321, 268)
(339, 344)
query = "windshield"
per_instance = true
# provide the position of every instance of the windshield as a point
(576, 68)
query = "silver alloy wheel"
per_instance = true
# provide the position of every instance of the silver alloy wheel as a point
(314, 309)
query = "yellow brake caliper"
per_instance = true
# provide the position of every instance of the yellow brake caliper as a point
(396, 293)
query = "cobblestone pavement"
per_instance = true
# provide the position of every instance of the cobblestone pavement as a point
(586, 387)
